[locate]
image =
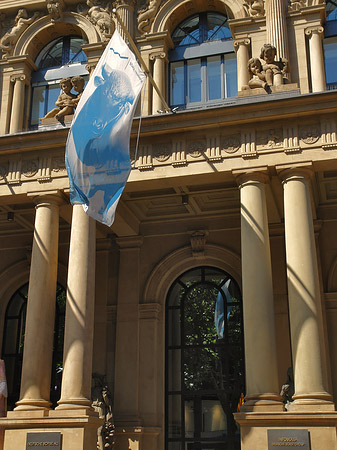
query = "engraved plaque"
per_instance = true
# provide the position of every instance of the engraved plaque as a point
(292, 439)
(46, 440)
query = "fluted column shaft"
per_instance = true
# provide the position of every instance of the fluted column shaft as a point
(305, 312)
(18, 103)
(258, 309)
(39, 332)
(242, 56)
(159, 78)
(79, 323)
(276, 26)
(317, 71)
(125, 11)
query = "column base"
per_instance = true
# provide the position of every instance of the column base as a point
(320, 425)
(78, 429)
(262, 402)
(320, 401)
(74, 403)
(32, 404)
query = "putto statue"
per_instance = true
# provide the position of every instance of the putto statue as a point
(55, 10)
(99, 14)
(67, 101)
(258, 78)
(21, 22)
(102, 403)
(146, 15)
(274, 71)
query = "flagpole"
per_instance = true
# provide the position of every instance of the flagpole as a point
(142, 62)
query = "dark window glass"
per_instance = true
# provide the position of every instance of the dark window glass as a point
(13, 343)
(331, 10)
(204, 361)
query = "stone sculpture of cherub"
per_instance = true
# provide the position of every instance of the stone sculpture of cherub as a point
(78, 85)
(258, 79)
(65, 102)
(274, 71)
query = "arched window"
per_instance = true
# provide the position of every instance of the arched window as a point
(61, 58)
(13, 343)
(203, 62)
(330, 44)
(204, 361)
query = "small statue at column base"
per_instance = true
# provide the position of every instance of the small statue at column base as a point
(274, 71)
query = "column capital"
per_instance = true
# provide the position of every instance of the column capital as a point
(47, 197)
(315, 30)
(252, 176)
(129, 242)
(18, 77)
(288, 173)
(238, 42)
(158, 55)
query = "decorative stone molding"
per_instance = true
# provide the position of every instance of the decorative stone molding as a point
(270, 138)
(248, 147)
(3, 171)
(146, 15)
(196, 148)
(179, 154)
(161, 152)
(100, 16)
(145, 157)
(290, 139)
(213, 148)
(149, 311)
(14, 172)
(29, 168)
(329, 135)
(18, 77)
(58, 165)
(254, 8)
(231, 144)
(310, 134)
(198, 242)
(296, 5)
(158, 55)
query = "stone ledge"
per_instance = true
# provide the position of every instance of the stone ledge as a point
(286, 419)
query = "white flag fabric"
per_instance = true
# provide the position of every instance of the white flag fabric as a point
(97, 152)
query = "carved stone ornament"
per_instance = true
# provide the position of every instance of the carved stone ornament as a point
(102, 403)
(9, 39)
(146, 15)
(99, 14)
(310, 134)
(296, 5)
(270, 138)
(231, 144)
(3, 171)
(55, 10)
(58, 165)
(198, 242)
(161, 152)
(196, 148)
(254, 8)
(30, 168)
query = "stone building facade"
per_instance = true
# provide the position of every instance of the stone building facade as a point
(218, 278)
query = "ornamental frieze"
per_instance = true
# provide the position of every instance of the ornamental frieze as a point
(30, 168)
(270, 138)
(161, 152)
(231, 144)
(310, 134)
(196, 148)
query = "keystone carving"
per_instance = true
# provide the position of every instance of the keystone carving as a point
(55, 10)
(99, 14)
(254, 8)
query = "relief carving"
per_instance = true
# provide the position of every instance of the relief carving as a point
(310, 134)
(9, 39)
(30, 168)
(254, 8)
(296, 5)
(231, 144)
(161, 152)
(270, 138)
(99, 14)
(3, 171)
(55, 10)
(58, 165)
(146, 15)
(196, 148)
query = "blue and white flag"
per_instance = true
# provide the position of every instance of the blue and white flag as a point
(97, 153)
(219, 313)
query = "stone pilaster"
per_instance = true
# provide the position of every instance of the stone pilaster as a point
(159, 59)
(16, 121)
(241, 47)
(276, 26)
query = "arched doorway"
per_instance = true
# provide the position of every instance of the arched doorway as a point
(204, 361)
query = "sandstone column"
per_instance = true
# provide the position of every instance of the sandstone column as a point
(159, 78)
(304, 294)
(18, 103)
(242, 55)
(316, 35)
(39, 333)
(258, 309)
(79, 324)
(125, 10)
(276, 27)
